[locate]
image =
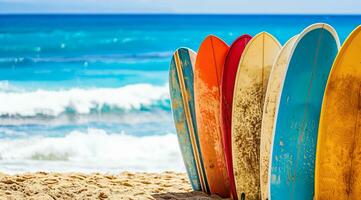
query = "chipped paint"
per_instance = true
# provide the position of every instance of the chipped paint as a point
(269, 111)
(338, 160)
(250, 88)
(298, 113)
(181, 84)
(209, 62)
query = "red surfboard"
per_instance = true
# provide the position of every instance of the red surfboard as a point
(227, 86)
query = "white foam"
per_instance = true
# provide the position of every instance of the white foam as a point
(5, 86)
(81, 101)
(93, 150)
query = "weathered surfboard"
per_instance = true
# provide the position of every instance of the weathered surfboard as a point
(294, 144)
(207, 79)
(338, 166)
(227, 86)
(249, 91)
(269, 111)
(182, 98)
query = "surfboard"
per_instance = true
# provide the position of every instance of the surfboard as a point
(207, 80)
(249, 90)
(182, 102)
(269, 111)
(227, 86)
(294, 144)
(338, 166)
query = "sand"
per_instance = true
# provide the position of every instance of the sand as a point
(127, 185)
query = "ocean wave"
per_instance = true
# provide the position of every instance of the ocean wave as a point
(112, 58)
(79, 101)
(93, 149)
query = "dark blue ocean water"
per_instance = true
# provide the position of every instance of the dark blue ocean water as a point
(89, 92)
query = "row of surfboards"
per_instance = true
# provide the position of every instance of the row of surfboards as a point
(256, 120)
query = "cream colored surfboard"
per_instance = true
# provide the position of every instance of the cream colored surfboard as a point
(269, 110)
(250, 88)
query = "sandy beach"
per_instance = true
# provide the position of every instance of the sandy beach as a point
(127, 185)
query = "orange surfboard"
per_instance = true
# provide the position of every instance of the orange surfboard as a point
(207, 81)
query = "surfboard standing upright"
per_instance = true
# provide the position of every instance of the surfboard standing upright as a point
(182, 97)
(207, 80)
(249, 90)
(227, 86)
(276, 78)
(294, 145)
(338, 166)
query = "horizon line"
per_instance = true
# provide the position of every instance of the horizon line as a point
(132, 13)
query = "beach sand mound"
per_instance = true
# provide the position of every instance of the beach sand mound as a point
(127, 185)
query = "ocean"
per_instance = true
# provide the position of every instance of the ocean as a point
(89, 93)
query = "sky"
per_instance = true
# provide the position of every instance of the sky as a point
(183, 6)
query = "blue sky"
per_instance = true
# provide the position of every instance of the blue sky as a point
(183, 6)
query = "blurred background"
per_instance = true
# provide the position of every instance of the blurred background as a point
(84, 85)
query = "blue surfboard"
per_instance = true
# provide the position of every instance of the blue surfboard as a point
(294, 143)
(182, 99)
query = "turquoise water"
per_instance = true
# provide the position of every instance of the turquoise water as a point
(90, 93)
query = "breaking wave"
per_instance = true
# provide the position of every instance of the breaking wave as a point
(80, 101)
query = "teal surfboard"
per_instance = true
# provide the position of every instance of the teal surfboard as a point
(296, 126)
(182, 100)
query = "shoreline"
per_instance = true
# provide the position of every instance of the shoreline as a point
(125, 185)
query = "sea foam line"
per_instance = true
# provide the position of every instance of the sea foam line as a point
(95, 149)
(83, 101)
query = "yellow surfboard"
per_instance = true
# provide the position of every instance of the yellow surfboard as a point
(338, 157)
(250, 88)
(269, 110)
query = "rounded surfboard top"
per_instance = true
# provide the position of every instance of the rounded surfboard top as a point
(249, 90)
(227, 86)
(338, 167)
(269, 111)
(208, 71)
(182, 98)
(297, 116)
